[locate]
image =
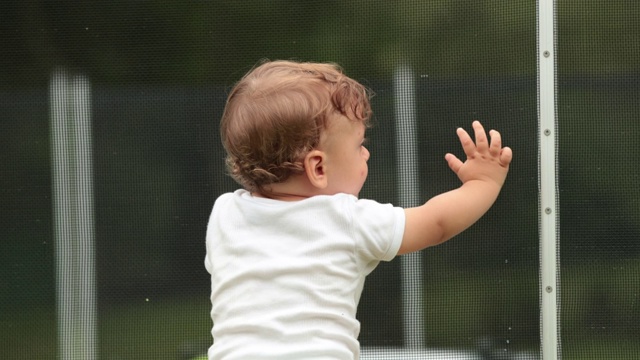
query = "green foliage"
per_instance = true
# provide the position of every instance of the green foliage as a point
(598, 39)
(217, 41)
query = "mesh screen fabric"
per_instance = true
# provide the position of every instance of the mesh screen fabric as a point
(598, 102)
(160, 72)
(159, 75)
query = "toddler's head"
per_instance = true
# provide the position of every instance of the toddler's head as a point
(275, 114)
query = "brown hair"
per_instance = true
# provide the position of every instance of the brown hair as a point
(275, 113)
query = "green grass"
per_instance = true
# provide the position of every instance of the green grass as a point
(174, 329)
(29, 333)
(460, 307)
(602, 347)
(164, 329)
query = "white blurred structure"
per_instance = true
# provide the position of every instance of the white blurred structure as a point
(73, 214)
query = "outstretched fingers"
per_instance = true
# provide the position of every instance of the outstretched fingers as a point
(486, 159)
(504, 155)
(471, 148)
(482, 143)
(496, 143)
(468, 145)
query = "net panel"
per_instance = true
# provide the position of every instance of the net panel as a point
(598, 103)
(160, 72)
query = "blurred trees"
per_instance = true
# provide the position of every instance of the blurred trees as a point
(212, 43)
(171, 41)
(216, 41)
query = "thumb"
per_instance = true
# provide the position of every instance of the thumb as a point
(454, 163)
(505, 156)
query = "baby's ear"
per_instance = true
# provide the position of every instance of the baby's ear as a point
(314, 169)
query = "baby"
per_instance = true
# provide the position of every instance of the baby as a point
(289, 252)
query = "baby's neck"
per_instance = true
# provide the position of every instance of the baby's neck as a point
(279, 196)
(294, 189)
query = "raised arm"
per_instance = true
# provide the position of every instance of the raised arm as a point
(448, 214)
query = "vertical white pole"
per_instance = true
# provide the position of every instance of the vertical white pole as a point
(73, 215)
(85, 215)
(548, 181)
(62, 209)
(409, 195)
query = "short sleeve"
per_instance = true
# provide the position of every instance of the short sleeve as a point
(378, 229)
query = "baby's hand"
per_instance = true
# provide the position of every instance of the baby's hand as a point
(485, 161)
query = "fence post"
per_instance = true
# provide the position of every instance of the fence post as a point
(549, 273)
(73, 213)
(409, 196)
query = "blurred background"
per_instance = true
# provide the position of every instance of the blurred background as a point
(150, 79)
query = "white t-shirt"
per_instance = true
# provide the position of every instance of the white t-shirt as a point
(286, 277)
